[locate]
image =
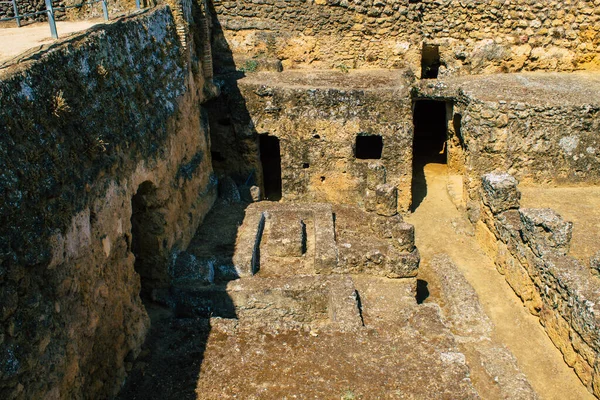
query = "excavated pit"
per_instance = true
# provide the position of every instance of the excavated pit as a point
(304, 276)
(395, 218)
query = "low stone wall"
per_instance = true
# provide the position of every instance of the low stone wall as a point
(472, 37)
(529, 247)
(101, 125)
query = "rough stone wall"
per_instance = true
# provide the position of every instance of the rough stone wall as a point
(536, 141)
(474, 36)
(85, 124)
(529, 247)
(317, 128)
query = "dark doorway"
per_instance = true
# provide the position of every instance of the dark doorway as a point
(146, 225)
(429, 144)
(270, 159)
(368, 147)
(430, 61)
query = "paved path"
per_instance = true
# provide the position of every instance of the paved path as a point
(14, 41)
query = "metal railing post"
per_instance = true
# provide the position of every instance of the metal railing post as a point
(105, 10)
(16, 10)
(137, 4)
(51, 19)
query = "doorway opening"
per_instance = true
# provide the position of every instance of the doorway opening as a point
(270, 159)
(147, 223)
(430, 61)
(429, 143)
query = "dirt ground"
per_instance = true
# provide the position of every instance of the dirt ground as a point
(401, 350)
(436, 218)
(14, 41)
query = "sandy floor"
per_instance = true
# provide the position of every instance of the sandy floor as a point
(436, 218)
(15, 41)
(580, 205)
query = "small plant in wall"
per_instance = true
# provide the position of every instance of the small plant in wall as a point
(103, 72)
(348, 395)
(59, 104)
(98, 146)
(343, 68)
(250, 66)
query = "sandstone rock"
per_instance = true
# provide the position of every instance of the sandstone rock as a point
(595, 263)
(545, 230)
(500, 192)
(370, 200)
(375, 175)
(286, 235)
(383, 226)
(387, 200)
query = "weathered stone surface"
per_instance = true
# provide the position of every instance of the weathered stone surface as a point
(473, 39)
(545, 230)
(317, 117)
(347, 246)
(500, 192)
(370, 200)
(286, 234)
(87, 125)
(187, 268)
(384, 226)
(530, 250)
(375, 175)
(469, 322)
(386, 197)
(595, 263)
(290, 302)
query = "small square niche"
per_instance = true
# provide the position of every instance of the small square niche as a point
(368, 147)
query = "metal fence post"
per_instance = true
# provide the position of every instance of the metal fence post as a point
(105, 10)
(51, 19)
(16, 10)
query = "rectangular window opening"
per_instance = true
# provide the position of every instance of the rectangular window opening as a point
(368, 147)
(430, 61)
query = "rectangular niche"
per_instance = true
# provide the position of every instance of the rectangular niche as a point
(430, 61)
(368, 147)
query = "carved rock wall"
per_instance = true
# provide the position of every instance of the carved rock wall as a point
(85, 125)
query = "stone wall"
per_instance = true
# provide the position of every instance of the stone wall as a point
(317, 122)
(537, 143)
(473, 36)
(87, 125)
(529, 247)
(522, 124)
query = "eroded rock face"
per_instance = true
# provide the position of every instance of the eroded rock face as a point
(544, 229)
(340, 135)
(72, 318)
(500, 192)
